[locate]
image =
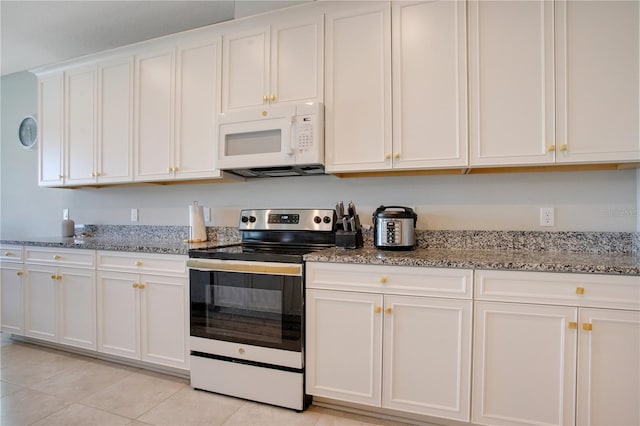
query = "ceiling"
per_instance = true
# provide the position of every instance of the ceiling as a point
(37, 33)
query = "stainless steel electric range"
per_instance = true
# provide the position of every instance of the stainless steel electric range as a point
(247, 306)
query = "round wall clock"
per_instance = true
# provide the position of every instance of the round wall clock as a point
(28, 132)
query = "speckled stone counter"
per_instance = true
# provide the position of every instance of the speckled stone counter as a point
(143, 239)
(514, 260)
(577, 252)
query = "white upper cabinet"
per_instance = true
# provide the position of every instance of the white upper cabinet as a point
(197, 106)
(554, 82)
(50, 113)
(98, 122)
(597, 55)
(154, 114)
(114, 160)
(80, 125)
(429, 85)
(358, 87)
(177, 93)
(273, 60)
(511, 83)
(246, 68)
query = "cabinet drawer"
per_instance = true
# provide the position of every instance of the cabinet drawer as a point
(59, 256)
(142, 262)
(11, 253)
(588, 290)
(409, 280)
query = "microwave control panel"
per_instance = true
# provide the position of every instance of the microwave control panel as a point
(305, 126)
(309, 134)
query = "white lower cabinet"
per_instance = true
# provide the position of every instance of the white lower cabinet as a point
(11, 290)
(344, 345)
(383, 345)
(524, 364)
(142, 315)
(60, 296)
(609, 367)
(549, 345)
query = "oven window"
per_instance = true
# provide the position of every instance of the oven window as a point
(256, 309)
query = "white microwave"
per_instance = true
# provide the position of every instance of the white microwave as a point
(277, 141)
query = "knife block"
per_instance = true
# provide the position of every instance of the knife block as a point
(349, 239)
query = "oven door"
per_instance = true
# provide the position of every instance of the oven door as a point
(254, 303)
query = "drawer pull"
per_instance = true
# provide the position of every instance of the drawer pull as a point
(579, 290)
(19, 273)
(377, 310)
(141, 286)
(587, 326)
(388, 311)
(241, 350)
(383, 280)
(135, 285)
(138, 262)
(58, 277)
(573, 325)
(53, 277)
(8, 253)
(57, 257)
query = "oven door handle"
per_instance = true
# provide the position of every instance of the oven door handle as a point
(272, 268)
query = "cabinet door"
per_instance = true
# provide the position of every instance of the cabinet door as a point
(297, 59)
(50, 109)
(80, 125)
(11, 298)
(198, 97)
(118, 314)
(358, 88)
(344, 346)
(524, 367)
(245, 68)
(427, 356)
(598, 56)
(155, 97)
(429, 84)
(163, 311)
(609, 367)
(40, 302)
(511, 82)
(77, 307)
(115, 124)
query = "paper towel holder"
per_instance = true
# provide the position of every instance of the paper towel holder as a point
(197, 229)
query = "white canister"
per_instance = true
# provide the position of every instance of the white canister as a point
(68, 228)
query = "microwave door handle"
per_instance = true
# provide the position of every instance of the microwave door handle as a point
(292, 135)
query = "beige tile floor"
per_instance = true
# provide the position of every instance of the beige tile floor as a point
(43, 386)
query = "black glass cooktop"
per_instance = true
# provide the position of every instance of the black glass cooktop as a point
(258, 253)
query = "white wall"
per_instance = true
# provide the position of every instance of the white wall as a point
(584, 201)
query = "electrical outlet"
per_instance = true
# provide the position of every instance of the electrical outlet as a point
(547, 216)
(207, 214)
(134, 215)
(65, 214)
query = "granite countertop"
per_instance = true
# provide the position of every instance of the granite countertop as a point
(118, 244)
(501, 259)
(514, 260)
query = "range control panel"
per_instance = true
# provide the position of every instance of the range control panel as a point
(293, 220)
